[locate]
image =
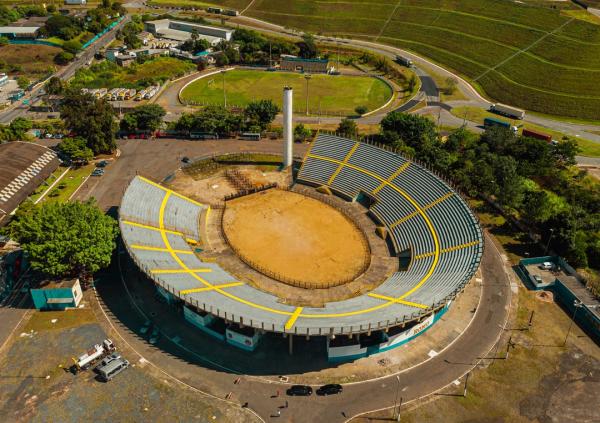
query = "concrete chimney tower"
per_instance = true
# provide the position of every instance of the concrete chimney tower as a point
(288, 138)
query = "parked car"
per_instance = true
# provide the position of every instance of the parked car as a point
(102, 163)
(300, 390)
(98, 172)
(537, 278)
(330, 389)
(547, 265)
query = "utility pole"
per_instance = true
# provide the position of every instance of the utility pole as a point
(548, 243)
(576, 304)
(307, 77)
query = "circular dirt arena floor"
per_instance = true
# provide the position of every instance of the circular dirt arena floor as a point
(295, 239)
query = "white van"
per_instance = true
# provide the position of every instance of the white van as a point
(113, 368)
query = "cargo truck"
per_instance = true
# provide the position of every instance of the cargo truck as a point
(535, 134)
(97, 352)
(404, 61)
(490, 122)
(503, 109)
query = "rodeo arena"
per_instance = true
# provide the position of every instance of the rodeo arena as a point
(352, 246)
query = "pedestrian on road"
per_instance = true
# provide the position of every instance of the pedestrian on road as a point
(278, 413)
(277, 395)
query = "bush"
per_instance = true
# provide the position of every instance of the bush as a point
(361, 110)
(72, 46)
(63, 58)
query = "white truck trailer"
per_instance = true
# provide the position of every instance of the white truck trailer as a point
(97, 352)
(503, 109)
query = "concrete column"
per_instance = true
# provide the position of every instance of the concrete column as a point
(288, 139)
(291, 344)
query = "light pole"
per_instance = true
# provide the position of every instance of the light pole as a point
(224, 92)
(307, 77)
(397, 418)
(548, 243)
(576, 305)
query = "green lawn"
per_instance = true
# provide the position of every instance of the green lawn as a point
(556, 74)
(331, 94)
(68, 184)
(474, 114)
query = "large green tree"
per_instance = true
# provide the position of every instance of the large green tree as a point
(66, 239)
(144, 118)
(413, 130)
(76, 149)
(260, 113)
(91, 119)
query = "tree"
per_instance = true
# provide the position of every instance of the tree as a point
(221, 60)
(63, 58)
(308, 47)
(66, 239)
(213, 119)
(91, 119)
(348, 128)
(145, 118)
(54, 85)
(76, 149)
(565, 152)
(451, 84)
(510, 184)
(361, 110)
(23, 82)
(261, 113)
(301, 133)
(4, 41)
(72, 46)
(413, 130)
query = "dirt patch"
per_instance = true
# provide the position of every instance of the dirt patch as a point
(546, 296)
(296, 239)
(213, 189)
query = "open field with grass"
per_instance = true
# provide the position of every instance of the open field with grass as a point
(523, 54)
(109, 75)
(474, 114)
(68, 184)
(34, 62)
(330, 94)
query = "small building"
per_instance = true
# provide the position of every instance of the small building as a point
(20, 32)
(299, 64)
(182, 31)
(76, 2)
(57, 295)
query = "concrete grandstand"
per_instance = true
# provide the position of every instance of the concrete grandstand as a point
(425, 221)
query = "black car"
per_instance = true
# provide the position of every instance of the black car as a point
(185, 159)
(299, 390)
(331, 389)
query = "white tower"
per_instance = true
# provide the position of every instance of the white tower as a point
(288, 140)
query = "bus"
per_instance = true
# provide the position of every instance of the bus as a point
(250, 136)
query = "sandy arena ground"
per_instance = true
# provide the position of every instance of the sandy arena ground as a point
(295, 237)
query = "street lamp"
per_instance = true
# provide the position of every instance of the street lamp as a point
(548, 243)
(307, 77)
(224, 92)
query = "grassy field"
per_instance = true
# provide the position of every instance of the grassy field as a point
(68, 184)
(523, 54)
(327, 93)
(34, 62)
(109, 75)
(474, 114)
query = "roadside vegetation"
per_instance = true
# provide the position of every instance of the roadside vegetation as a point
(481, 39)
(475, 114)
(142, 74)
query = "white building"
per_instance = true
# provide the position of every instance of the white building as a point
(182, 31)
